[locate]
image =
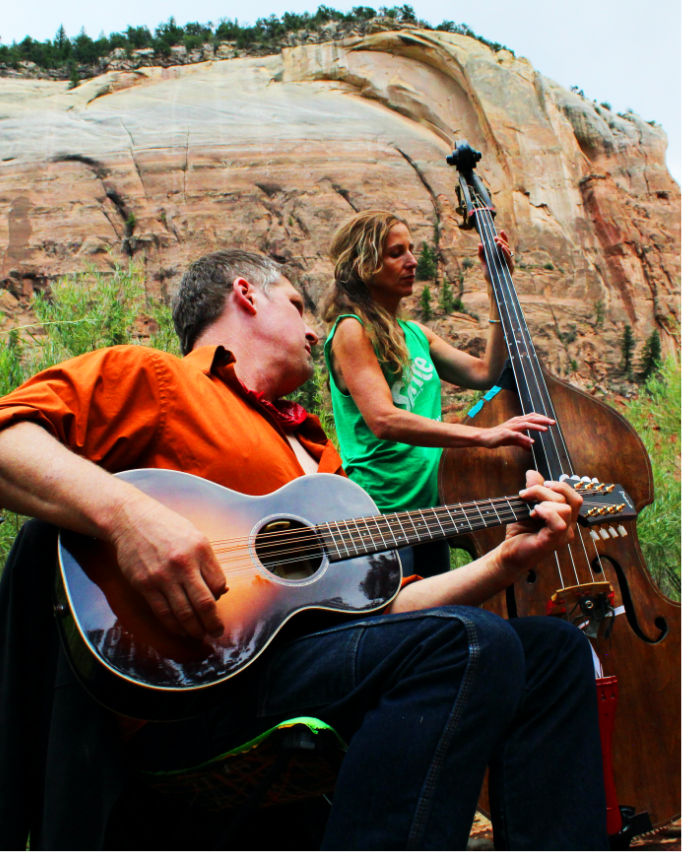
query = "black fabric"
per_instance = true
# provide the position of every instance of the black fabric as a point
(59, 750)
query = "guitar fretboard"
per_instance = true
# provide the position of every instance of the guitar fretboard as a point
(361, 536)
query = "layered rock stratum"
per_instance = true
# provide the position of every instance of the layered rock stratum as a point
(272, 153)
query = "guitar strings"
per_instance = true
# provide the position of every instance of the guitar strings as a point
(315, 549)
(395, 516)
(314, 544)
(439, 513)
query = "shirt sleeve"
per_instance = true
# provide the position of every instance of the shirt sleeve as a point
(106, 405)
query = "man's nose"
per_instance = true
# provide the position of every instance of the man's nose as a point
(310, 336)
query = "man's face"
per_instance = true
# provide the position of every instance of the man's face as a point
(285, 335)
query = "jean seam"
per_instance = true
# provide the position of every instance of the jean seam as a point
(426, 795)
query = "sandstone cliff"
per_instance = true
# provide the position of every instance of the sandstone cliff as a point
(272, 153)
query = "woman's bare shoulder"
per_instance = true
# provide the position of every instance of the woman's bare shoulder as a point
(350, 329)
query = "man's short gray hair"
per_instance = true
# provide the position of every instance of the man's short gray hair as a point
(201, 297)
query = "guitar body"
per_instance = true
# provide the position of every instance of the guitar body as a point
(128, 660)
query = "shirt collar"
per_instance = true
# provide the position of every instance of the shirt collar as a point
(205, 358)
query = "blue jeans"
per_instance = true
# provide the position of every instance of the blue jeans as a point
(427, 700)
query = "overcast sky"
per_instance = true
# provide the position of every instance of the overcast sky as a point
(625, 52)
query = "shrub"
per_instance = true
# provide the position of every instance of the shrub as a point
(446, 299)
(548, 265)
(627, 347)
(650, 359)
(598, 313)
(425, 303)
(427, 265)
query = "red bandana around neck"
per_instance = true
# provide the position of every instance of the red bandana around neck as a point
(290, 415)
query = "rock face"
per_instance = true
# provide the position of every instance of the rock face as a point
(272, 153)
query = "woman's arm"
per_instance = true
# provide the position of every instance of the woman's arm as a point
(553, 523)
(357, 371)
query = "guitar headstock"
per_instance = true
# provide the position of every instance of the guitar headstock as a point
(603, 503)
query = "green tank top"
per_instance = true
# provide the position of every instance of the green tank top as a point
(397, 476)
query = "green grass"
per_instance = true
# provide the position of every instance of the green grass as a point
(80, 314)
(656, 417)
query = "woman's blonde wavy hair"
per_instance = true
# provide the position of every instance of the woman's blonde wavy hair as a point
(357, 254)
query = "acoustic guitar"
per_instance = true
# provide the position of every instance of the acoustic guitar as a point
(318, 543)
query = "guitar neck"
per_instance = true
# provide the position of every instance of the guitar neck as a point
(362, 536)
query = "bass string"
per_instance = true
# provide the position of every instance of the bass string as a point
(544, 392)
(498, 263)
(503, 307)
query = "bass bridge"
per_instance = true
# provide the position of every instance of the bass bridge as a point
(586, 606)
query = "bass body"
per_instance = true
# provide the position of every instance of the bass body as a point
(634, 629)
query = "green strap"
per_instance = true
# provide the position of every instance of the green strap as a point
(313, 725)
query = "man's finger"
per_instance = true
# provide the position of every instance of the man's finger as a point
(184, 612)
(204, 606)
(556, 517)
(213, 574)
(541, 493)
(162, 610)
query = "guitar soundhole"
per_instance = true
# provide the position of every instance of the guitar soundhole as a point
(289, 549)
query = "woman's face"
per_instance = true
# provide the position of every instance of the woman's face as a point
(395, 280)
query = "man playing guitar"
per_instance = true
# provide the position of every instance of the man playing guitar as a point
(427, 694)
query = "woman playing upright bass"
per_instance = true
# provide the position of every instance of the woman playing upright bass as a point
(385, 375)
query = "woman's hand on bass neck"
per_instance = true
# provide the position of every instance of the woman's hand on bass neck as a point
(502, 241)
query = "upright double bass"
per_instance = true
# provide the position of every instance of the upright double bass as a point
(599, 581)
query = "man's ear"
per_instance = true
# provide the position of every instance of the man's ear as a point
(243, 296)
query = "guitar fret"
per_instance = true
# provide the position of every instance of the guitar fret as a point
(457, 524)
(342, 538)
(512, 509)
(376, 523)
(495, 510)
(425, 522)
(388, 520)
(369, 532)
(416, 532)
(480, 513)
(402, 528)
(362, 549)
(333, 540)
(434, 512)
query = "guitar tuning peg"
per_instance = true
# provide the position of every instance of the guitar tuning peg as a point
(622, 531)
(594, 535)
(603, 534)
(586, 479)
(613, 533)
(564, 477)
(574, 478)
(595, 481)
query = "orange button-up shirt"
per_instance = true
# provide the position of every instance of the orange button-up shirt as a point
(133, 407)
